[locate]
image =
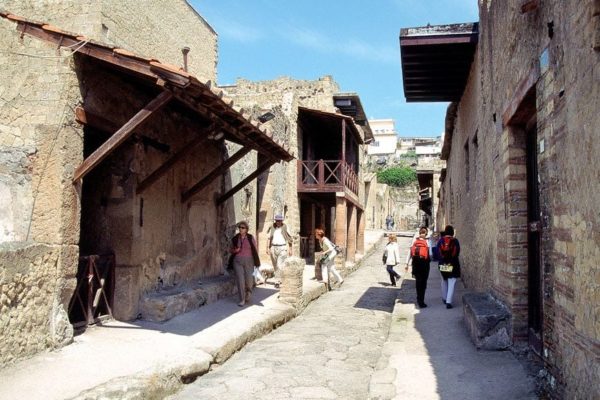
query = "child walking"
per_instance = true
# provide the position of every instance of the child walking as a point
(391, 258)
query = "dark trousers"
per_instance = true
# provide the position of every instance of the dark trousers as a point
(393, 274)
(420, 271)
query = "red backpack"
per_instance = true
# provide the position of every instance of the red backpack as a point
(420, 250)
(448, 249)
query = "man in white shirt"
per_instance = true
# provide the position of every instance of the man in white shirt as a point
(279, 245)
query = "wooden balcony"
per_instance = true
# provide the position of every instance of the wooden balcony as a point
(326, 176)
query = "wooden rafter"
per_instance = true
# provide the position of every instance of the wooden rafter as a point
(167, 165)
(185, 196)
(121, 135)
(259, 170)
(235, 132)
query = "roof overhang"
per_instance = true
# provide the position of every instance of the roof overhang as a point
(436, 61)
(202, 98)
(330, 119)
(349, 104)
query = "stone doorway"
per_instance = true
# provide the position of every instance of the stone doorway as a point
(524, 222)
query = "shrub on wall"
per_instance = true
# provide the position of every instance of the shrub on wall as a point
(397, 176)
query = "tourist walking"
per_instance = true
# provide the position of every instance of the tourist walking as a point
(420, 255)
(243, 259)
(388, 222)
(327, 258)
(391, 258)
(448, 249)
(279, 245)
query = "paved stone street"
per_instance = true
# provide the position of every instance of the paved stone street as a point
(328, 352)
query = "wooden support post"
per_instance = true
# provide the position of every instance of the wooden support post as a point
(164, 168)
(343, 169)
(214, 173)
(259, 170)
(121, 135)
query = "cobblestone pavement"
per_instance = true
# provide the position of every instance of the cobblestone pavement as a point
(328, 352)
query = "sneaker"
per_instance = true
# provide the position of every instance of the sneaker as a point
(241, 304)
(448, 306)
(342, 281)
(422, 305)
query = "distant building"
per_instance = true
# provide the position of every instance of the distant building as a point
(385, 139)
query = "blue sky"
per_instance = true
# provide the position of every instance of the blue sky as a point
(355, 41)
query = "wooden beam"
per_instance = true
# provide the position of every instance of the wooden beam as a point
(259, 170)
(164, 168)
(121, 135)
(185, 196)
(226, 125)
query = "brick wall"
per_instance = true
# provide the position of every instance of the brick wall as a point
(491, 216)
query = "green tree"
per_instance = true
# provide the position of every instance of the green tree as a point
(397, 176)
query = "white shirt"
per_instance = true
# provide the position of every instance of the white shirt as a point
(393, 253)
(278, 238)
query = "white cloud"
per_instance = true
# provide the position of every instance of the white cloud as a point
(355, 48)
(230, 29)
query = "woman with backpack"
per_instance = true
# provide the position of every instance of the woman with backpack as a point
(391, 257)
(420, 255)
(448, 250)
(327, 258)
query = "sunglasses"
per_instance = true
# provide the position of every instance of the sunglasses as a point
(243, 227)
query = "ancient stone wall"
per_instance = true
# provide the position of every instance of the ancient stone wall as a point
(165, 28)
(486, 197)
(40, 145)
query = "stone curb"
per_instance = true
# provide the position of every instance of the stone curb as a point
(168, 377)
(381, 386)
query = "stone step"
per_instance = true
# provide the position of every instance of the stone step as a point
(166, 304)
(488, 321)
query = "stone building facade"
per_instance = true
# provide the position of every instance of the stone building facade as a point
(60, 108)
(286, 99)
(521, 186)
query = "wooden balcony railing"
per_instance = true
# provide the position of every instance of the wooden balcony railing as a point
(326, 176)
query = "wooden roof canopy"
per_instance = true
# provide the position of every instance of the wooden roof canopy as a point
(330, 120)
(173, 83)
(349, 104)
(436, 61)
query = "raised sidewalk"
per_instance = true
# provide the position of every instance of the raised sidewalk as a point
(139, 359)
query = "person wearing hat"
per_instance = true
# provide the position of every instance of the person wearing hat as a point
(279, 244)
(243, 259)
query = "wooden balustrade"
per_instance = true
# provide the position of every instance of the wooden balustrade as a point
(326, 176)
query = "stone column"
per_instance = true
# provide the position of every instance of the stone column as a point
(340, 235)
(352, 231)
(341, 220)
(360, 235)
(291, 281)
